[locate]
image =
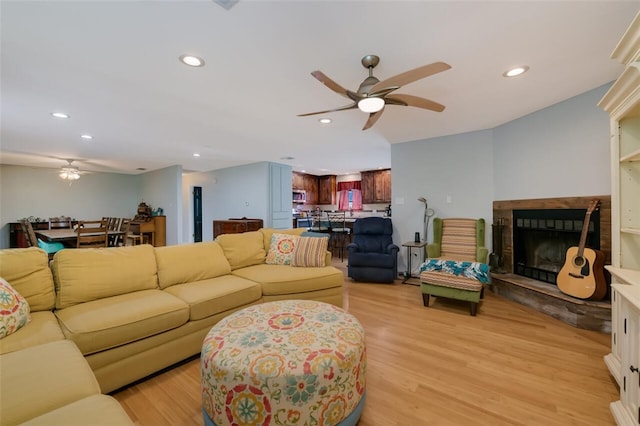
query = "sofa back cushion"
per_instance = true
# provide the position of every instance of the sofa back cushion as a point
(27, 270)
(82, 275)
(186, 263)
(459, 239)
(244, 249)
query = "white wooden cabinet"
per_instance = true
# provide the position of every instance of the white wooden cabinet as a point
(622, 102)
(626, 302)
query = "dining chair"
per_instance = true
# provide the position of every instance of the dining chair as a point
(113, 224)
(92, 234)
(338, 231)
(132, 235)
(34, 241)
(60, 222)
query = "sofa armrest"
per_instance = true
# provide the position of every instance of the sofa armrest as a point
(392, 249)
(327, 258)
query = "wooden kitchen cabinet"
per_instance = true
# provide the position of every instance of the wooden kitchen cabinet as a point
(311, 188)
(327, 189)
(298, 180)
(376, 186)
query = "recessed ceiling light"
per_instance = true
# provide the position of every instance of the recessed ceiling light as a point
(325, 120)
(516, 71)
(287, 157)
(192, 61)
(195, 154)
(87, 137)
(60, 115)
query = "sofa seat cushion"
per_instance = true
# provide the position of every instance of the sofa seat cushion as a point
(43, 328)
(96, 410)
(113, 321)
(42, 378)
(372, 260)
(90, 274)
(186, 263)
(283, 279)
(27, 269)
(215, 295)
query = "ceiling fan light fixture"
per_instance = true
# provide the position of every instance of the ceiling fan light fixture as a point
(69, 173)
(370, 105)
(325, 120)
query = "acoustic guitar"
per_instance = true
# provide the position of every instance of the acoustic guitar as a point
(582, 274)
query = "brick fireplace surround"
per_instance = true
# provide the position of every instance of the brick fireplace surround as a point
(545, 297)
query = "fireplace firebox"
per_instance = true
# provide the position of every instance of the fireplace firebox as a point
(541, 238)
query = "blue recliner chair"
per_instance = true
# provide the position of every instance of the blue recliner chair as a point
(372, 255)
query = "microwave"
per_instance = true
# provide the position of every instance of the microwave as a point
(299, 196)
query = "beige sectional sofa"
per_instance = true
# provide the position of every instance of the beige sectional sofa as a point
(131, 311)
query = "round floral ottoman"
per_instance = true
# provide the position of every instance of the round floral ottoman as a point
(290, 362)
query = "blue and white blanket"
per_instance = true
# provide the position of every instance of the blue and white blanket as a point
(474, 270)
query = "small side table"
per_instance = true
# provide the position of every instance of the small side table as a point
(412, 245)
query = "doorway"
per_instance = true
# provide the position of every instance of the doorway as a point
(197, 214)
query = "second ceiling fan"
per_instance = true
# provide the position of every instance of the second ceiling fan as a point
(373, 94)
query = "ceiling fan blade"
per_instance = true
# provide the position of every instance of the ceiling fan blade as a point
(352, 106)
(414, 101)
(373, 117)
(322, 78)
(410, 76)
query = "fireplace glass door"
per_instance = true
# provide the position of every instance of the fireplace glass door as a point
(541, 239)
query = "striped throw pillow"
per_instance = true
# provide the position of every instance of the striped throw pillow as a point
(309, 251)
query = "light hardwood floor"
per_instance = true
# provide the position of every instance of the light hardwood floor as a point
(509, 365)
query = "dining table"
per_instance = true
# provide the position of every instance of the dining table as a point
(67, 236)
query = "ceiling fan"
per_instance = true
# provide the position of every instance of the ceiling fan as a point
(373, 94)
(69, 172)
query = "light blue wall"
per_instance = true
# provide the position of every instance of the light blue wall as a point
(560, 151)
(163, 188)
(240, 191)
(457, 168)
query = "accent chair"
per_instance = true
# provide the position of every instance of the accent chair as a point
(456, 265)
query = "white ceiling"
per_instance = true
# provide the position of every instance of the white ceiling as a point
(113, 67)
